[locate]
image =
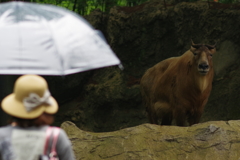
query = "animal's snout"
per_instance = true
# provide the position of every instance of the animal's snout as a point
(203, 66)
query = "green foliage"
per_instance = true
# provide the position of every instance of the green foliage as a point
(84, 7)
(228, 1)
(219, 1)
(66, 4)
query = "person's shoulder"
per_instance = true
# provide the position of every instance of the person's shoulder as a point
(5, 130)
(63, 137)
(62, 132)
(8, 127)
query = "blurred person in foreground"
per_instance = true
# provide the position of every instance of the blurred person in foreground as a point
(31, 107)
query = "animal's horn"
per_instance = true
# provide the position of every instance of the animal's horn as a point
(211, 46)
(192, 42)
(215, 44)
(195, 45)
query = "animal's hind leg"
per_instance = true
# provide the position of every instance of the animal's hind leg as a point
(153, 118)
(164, 112)
(180, 116)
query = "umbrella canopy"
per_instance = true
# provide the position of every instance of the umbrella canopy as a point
(49, 40)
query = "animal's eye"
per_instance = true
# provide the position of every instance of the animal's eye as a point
(194, 54)
(210, 55)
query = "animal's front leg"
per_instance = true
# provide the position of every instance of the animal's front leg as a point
(195, 118)
(167, 119)
(180, 116)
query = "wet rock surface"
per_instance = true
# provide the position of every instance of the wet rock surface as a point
(205, 141)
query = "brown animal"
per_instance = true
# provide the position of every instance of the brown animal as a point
(178, 87)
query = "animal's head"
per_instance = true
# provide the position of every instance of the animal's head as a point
(203, 57)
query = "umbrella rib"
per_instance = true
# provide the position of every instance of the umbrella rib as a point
(17, 8)
(52, 37)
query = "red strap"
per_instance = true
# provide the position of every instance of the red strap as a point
(56, 132)
(48, 134)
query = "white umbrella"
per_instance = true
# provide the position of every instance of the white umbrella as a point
(49, 40)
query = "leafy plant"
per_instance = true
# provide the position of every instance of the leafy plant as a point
(84, 7)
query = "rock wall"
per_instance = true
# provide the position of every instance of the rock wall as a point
(143, 35)
(207, 141)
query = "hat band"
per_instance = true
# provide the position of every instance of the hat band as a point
(34, 100)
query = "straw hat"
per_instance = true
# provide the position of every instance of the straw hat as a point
(30, 98)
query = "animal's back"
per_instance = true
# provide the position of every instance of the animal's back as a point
(152, 77)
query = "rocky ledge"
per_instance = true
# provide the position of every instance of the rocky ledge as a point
(205, 141)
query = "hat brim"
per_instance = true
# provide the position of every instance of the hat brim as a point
(15, 108)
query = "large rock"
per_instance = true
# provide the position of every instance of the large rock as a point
(206, 141)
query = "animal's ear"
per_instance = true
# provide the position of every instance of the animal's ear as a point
(192, 49)
(212, 50)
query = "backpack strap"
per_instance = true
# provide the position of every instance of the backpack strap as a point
(49, 131)
(56, 132)
(48, 134)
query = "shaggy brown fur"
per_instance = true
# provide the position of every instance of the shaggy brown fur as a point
(178, 87)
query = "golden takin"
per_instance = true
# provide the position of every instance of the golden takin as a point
(178, 88)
